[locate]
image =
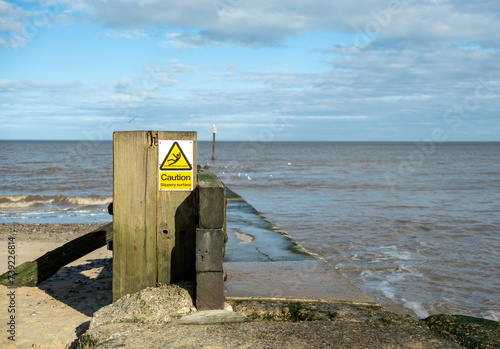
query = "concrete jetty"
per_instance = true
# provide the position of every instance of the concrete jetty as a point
(264, 262)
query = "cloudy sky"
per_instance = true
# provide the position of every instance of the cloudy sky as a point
(388, 70)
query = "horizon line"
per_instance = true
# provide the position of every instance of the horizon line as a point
(257, 141)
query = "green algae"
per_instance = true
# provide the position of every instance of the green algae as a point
(468, 331)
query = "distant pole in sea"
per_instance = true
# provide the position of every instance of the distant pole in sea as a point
(214, 131)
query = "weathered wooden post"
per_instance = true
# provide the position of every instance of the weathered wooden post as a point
(210, 240)
(154, 209)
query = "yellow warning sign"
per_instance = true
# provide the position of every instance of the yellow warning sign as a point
(175, 165)
(176, 180)
(175, 160)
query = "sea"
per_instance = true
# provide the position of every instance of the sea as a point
(414, 225)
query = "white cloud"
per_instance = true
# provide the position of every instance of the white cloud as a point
(129, 35)
(385, 99)
(173, 68)
(13, 21)
(263, 22)
(29, 86)
(188, 40)
(125, 85)
(398, 67)
(18, 25)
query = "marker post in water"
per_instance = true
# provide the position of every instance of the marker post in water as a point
(214, 131)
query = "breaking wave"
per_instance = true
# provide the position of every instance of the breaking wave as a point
(27, 201)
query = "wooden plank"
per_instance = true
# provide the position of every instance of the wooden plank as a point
(34, 272)
(176, 224)
(209, 290)
(151, 209)
(210, 242)
(134, 253)
(212, 195)
(212, 203)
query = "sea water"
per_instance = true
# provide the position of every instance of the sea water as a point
(415, 226)
(55, 181)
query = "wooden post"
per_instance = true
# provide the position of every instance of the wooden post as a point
(210, 240)
(214, 131)
(154, 230)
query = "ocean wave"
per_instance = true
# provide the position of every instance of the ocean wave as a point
(19, 201)
(491, 315)
(417, 307)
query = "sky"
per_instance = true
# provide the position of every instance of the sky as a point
(260, 70)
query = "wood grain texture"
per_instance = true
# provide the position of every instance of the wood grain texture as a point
(154, 231)
(176, 222)
(134, 250)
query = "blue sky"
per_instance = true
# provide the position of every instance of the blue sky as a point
(288, 70)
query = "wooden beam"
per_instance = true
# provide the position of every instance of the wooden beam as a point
(34, 272)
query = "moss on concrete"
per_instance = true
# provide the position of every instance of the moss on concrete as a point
(468, 331)
(209, 179)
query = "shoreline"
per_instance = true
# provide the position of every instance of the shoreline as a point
(39, 238)
(58, 311)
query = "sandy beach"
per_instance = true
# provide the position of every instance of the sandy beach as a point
(58, 310)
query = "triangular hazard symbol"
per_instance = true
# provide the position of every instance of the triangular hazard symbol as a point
(175, 159)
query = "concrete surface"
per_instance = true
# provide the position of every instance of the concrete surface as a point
(262, 261)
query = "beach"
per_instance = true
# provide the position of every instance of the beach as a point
(56, 312)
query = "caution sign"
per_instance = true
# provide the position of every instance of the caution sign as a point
(176, 159)
(175, 165)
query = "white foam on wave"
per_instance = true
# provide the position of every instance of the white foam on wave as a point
(401, 255)
(387, 290)
(417, 307)
(20, 201)
(13, 201)
(491, 315)
(395, 252)
(386, 283)
(366, 273)
(52, 208)
(89, 201)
